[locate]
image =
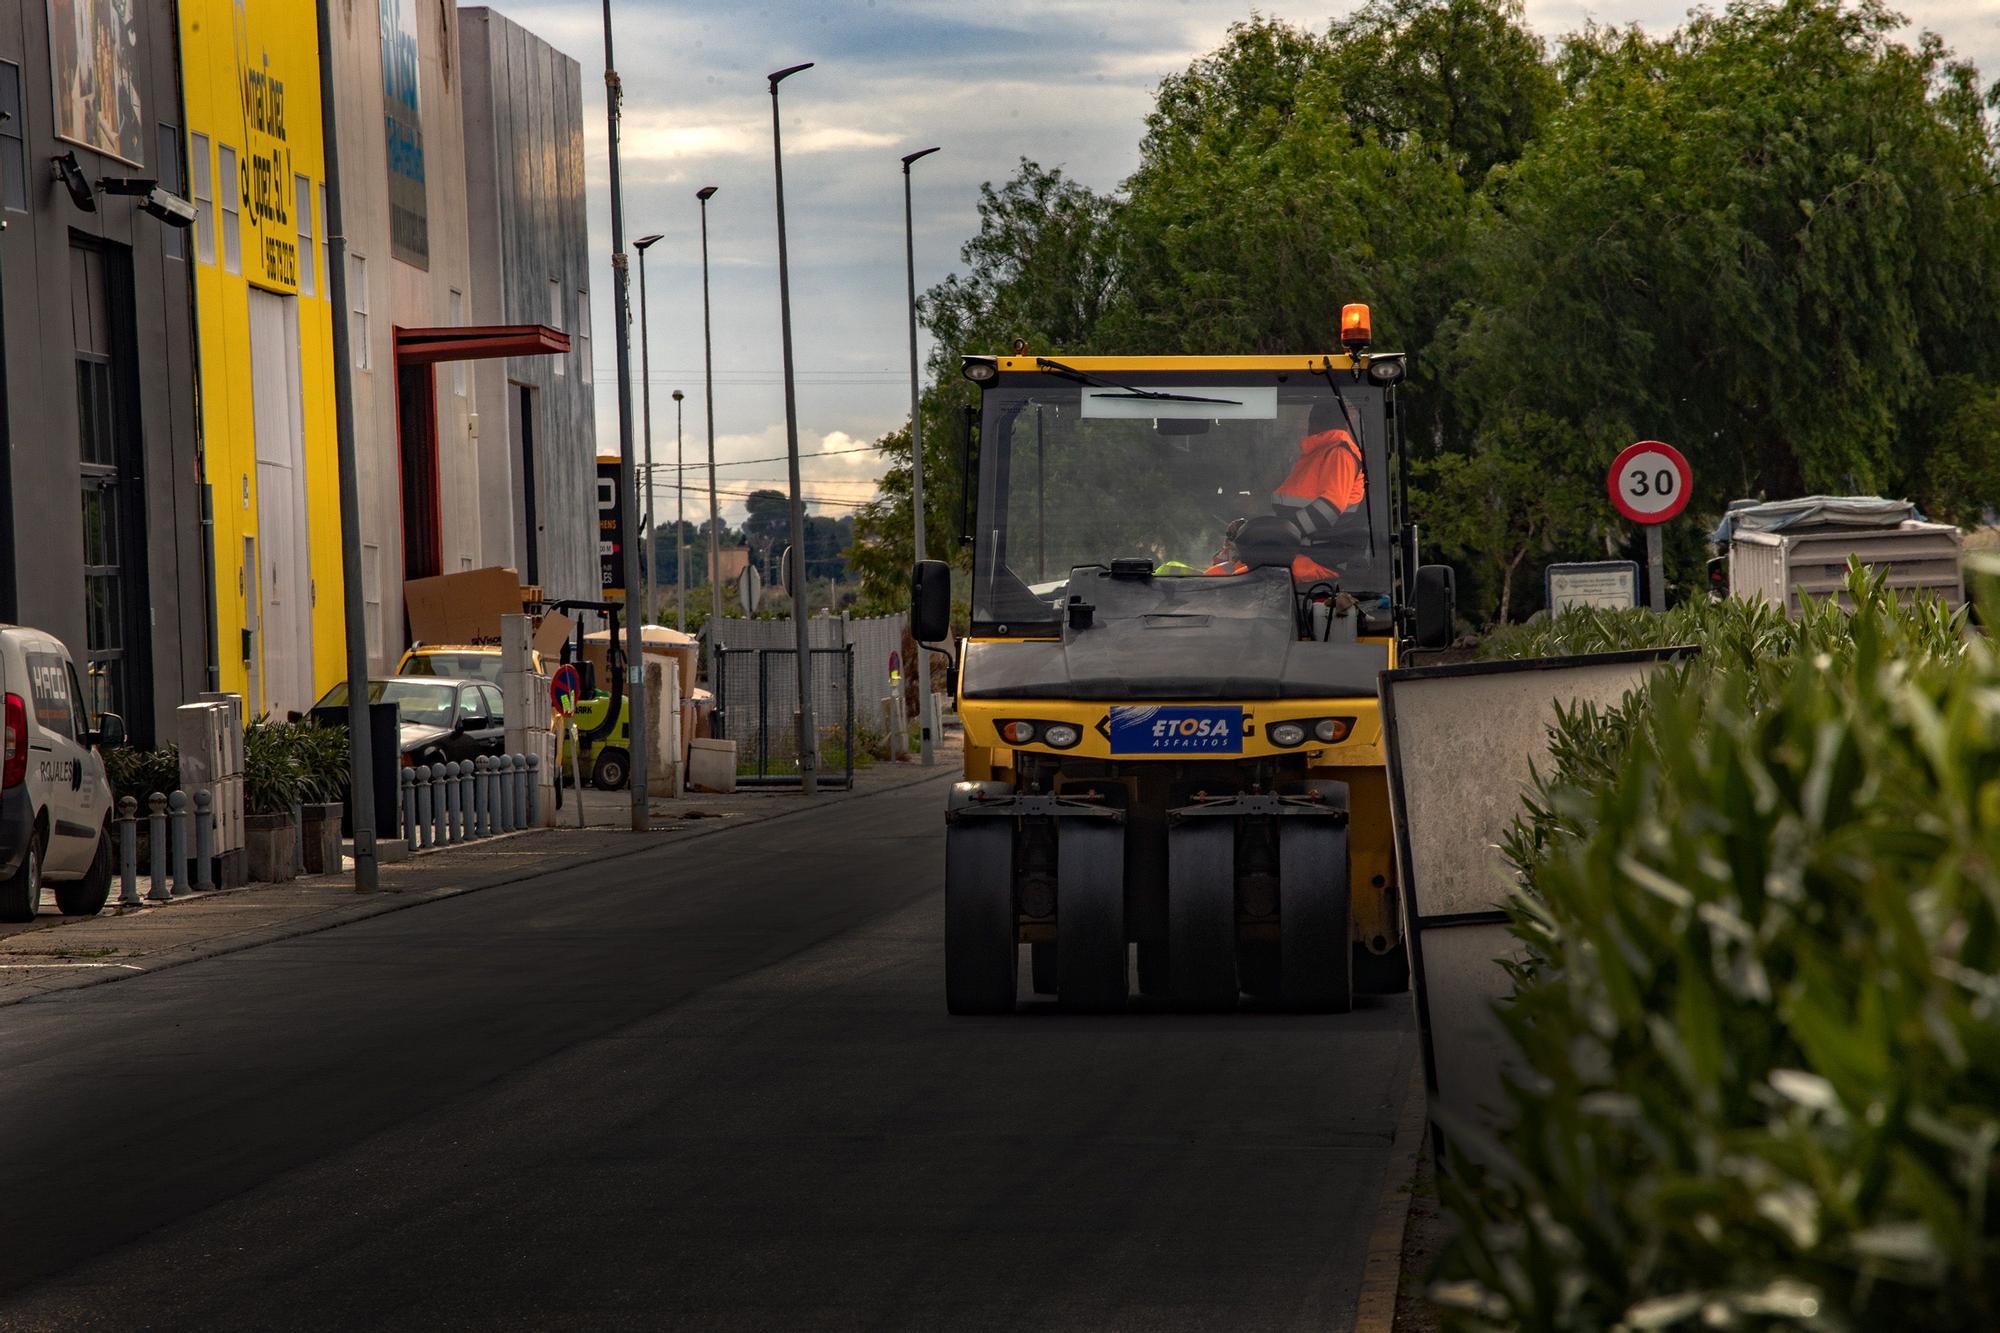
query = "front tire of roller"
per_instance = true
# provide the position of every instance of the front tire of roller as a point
(1201, 915)
(980, 935)
(1091, 968)
(1315, 957)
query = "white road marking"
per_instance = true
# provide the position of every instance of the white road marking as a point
(129, 967)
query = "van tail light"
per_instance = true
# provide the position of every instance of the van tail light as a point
(15, 768)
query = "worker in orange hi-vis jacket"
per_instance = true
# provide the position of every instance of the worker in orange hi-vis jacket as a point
(1328, 481)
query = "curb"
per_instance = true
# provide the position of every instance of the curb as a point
(1382, 1274)
(385, 901)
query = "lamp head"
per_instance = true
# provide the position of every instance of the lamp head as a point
(644, 241)
(706, 192)
(920, 153)
(779, 76)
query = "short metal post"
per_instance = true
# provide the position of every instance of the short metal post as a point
(177, 812)
(406, 782)
(534, 797)
(204, 841)
(454, 830)
(482, 797)
(440, 795)
(466, 801)
(128, 852)
(524, 785)
(506, 793)
(426, 831)
(156, 838)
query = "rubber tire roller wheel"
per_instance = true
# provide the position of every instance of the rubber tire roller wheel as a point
(1201, 914)
(1315, 956)
(1092, 973)
(981, 935)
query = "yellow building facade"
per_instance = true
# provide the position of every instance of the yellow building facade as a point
(256, 171)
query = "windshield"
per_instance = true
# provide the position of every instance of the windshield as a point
(458, 666)
(418, 703)
(1074, 474)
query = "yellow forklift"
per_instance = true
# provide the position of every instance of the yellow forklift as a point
(1187, 574)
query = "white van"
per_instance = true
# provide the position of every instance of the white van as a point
(55, 802)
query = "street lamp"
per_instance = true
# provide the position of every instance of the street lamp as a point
(704, 194)
(628, 491)
(646, 414)
(808, 732)
(925, 704)
(680, 508)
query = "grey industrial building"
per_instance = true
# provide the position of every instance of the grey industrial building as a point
(529, 250)
(100, 481)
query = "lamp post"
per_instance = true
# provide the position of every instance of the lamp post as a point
(925, 704)
(361, 770)
(808, 732)
(680, 516)
(628, 491)
(646, 415)
(704, 194)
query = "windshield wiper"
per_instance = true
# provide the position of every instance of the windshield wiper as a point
(1126, 390)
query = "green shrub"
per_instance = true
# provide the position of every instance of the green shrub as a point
(291, 763)
(140, 773)
(1760, 1015)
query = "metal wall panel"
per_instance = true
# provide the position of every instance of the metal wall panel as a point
(524, 147)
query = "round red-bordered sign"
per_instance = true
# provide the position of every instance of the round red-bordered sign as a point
(563, 689)
(1650, 482)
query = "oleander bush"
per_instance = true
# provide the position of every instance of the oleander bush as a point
(291, 763)
(139, 773)
(1760, 1012)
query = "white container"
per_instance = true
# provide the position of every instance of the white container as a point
(1780, 566)
(711, 765)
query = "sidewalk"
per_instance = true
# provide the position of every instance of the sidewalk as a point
(61, 953)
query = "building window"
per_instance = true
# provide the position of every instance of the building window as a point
(173, 179)
(556, 319)
(357, 297)
(457, 319)
(583, 366)
(232, 217)
(13, 144)
(304, 191)
(204, 201)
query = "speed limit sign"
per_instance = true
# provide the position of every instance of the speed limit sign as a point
(1650, 481)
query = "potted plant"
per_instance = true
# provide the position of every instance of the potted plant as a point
(322, 755)
(273, 782)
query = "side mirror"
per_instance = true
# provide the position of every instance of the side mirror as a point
(1436, 604)
(930, 601)
(110, 730)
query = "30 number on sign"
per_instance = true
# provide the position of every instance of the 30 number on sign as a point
(1649, 482)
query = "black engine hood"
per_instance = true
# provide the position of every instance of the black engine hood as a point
(1225, 637)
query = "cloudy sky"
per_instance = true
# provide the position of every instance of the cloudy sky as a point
(1065, 82)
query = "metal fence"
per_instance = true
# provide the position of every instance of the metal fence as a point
(757, 706)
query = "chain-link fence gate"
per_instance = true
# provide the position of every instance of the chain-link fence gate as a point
(757, 706)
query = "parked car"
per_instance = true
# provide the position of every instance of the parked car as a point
(438, 721)
(459, 661)
(55, 801)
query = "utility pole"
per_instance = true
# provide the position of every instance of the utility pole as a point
(646, 413)
(360, 756)
(925, 704)
(704, 194)
(680, 514)
(808, 732)
(628, 493)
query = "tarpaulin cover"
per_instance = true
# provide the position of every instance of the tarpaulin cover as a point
(1812, 512)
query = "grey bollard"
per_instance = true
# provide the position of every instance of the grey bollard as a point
(460, 815)
(156, 838)
(421, 783)
(482, 797)
(467, 801)
(506, 802)
(532, 799)
(128, 852)
(406, 783)
(177, 812)
(501, 780)
(453, 813)
(204, 841)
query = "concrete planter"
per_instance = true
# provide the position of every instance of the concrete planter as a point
(271, 844)
(320, 831)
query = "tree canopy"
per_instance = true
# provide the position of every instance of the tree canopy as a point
(1771, 237)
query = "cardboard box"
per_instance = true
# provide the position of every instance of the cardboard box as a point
(464, 607)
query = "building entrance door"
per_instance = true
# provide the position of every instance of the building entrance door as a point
(284, 545)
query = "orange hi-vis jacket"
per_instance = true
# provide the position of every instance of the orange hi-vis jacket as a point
(1327, 481)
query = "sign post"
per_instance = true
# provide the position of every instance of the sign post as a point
(1649, 483)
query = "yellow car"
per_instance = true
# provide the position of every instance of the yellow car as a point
(459, 661)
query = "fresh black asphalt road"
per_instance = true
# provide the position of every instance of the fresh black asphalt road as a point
(710, 1085)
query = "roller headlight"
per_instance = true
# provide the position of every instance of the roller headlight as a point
(1017, 733)
(1060, 735)
(1332, 730)
(1287, 734)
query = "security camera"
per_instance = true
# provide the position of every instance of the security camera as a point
(168, 207)
(71, 175)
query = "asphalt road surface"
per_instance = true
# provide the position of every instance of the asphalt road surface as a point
(712, 1085)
